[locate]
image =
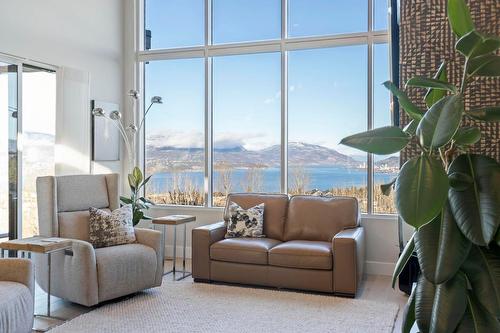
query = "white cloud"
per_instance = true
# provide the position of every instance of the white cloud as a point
(177, 139)
(224, 140)
(228, 140)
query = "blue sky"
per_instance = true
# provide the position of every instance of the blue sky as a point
(327, 87)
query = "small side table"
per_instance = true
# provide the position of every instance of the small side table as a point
(43, 245)
(175, 220)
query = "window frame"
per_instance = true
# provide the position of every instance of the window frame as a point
(209, 50)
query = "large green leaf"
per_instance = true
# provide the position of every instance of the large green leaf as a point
(424, 82)
(137, 217)
(382, 141)
(418, 178)
(486, 65)
(411, 109)
(477, 209)
(403, 259)
(424, 300)
(409, 314)
(459, 17)
(473, 44)
(131, 182)
(467, 136)
(137, 173)
(441, 248)
(386, 189)
(460, 181)
(482, 268)
(477, 319)
(126, 200)
(497, 238)
(450, 303)
(440, 123)
(491, 113)
(411, 128)
(434, 95)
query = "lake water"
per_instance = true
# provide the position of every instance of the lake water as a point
(322, 178)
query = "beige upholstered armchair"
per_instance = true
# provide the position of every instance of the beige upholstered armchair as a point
(17, 281)
(86, 275)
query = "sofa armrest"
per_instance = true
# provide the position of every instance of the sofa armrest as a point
(73, 273)
(152, 238)
(18, 270)
(202, 238)
(348, 260)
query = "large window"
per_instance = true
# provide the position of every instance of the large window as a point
(258, 95)
(327, 100)
(246, 124)
(175, 140)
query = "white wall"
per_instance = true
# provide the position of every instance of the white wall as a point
(381, 236)
(84, 35)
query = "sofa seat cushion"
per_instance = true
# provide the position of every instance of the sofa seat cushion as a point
(243, 250)
(302, 254)
(16, 307)
(124, 269)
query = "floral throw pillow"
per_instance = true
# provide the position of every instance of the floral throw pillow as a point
(108, 229)
(245, 222)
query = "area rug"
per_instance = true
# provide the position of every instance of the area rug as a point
(195, 307)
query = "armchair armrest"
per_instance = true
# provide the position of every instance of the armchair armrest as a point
(349, 258)
(78, 268)
(202, 238)
(18, 270)
(152, 238)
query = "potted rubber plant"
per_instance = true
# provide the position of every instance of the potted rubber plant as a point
(450, 196)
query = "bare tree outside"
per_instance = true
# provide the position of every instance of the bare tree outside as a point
(299, 180)
(224, 183)
(254, 179)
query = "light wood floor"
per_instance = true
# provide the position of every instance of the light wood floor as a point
(374, 287)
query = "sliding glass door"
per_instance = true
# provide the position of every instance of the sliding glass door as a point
(27, 111)
(8, 149)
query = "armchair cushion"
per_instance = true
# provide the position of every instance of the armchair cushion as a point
(302, 254)
(16, 307)
(17, 290)
(79, 192)
(125, 269)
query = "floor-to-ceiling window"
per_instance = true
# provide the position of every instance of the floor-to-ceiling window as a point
(258, 94)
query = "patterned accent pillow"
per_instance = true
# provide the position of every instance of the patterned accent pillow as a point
(109, 229)
(245, 222)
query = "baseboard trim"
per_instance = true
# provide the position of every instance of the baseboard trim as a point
(379, 268)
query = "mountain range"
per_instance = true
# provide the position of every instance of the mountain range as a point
(167, 158)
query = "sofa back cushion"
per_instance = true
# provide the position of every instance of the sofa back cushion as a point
(319, 218)
(275, 208)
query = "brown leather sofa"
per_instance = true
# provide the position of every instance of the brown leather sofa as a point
(312, 243)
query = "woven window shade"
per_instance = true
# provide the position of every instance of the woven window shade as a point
(426, 40)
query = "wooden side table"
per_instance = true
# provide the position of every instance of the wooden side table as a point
(43, 245)
(175, 220)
